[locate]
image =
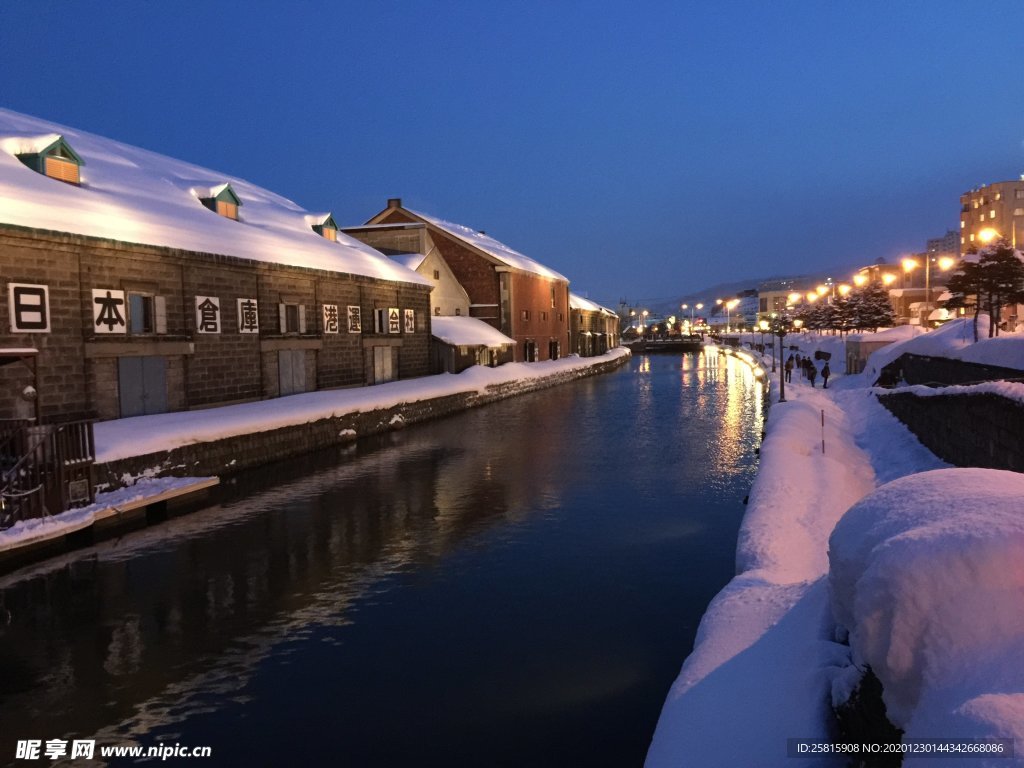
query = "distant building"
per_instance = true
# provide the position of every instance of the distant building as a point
(518, 296)
(593, 329)
(994, 210)
(947, 245)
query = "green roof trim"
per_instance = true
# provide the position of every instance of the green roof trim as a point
(59, 147)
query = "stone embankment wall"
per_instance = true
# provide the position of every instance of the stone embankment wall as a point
(234, 454)
(945, 371)
(967, 430)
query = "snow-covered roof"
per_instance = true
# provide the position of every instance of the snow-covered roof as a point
(408, 260)
(493, 248)
(578, 302)
(467, 332)
(137, 196)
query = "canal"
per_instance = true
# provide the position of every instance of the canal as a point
(515, 585)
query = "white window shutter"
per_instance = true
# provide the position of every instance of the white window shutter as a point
(282, 315)
(302, 318)
(160, 313)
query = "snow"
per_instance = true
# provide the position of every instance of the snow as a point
(26, 532)
(944, 341)
(931, 593)
(408, 260)
(467, 331)
(1005, 351)
(765, 657)
(136, 196)
(493, 248)
(142, 435)
(578, 302)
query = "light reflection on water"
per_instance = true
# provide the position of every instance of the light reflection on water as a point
(528, 574)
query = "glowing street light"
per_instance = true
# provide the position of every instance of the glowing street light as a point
(860, 279)
(888, 278)
(987, 235)
(844, 289)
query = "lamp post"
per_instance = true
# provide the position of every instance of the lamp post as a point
(780, 327)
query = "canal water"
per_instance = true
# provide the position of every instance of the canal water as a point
(515, 585)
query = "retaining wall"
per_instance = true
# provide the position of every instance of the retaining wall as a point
(234, 454)
(982, 430)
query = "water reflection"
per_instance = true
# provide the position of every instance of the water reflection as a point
(530, 558)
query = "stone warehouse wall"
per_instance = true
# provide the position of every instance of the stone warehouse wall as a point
(224, 457)
(983, 430)
(77, 369)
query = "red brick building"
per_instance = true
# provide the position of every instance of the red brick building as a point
(135, 284)
(522, 298)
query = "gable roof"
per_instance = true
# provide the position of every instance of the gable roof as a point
(493, 249)
(44, 143)
(137, 196)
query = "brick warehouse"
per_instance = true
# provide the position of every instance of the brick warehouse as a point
(136, 284)
(522, 298)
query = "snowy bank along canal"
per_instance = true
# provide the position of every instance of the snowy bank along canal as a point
(514, 585)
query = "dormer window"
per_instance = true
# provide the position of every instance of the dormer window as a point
(52, 156)
(221, 200)
(325, 226)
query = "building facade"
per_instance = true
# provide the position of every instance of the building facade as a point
(992, 211)
(593, 329)
(520, 297)
(133, 287)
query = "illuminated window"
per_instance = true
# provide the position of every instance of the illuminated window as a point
(992, 214)
(972, 237)
(56, 160)
(227, 210)
(1018, 194)
(1018, 211)
(330, 233)
(999, 195)
(963, 224)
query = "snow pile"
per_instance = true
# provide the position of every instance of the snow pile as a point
(467, 332)
(136, 196)
(927, 574)
(763, 658)
(945, 341)
(1004, 351)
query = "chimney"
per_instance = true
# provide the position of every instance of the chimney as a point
(394, 202)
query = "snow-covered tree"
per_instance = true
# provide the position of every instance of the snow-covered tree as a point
(869, 307)
(987, 280)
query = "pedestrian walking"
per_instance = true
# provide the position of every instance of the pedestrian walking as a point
(825, 373)
(812, 372)
(789, 369)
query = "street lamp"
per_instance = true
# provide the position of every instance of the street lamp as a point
(729, 306)
(780, 326)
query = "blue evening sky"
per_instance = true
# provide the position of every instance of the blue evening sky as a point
(643, 149)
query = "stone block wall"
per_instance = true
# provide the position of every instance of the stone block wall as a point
(982, 430)
(77, 369)
(234, 454)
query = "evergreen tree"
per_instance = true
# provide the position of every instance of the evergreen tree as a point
(964, 286)
(987, 280)
(1001, 280)
(870, 307)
